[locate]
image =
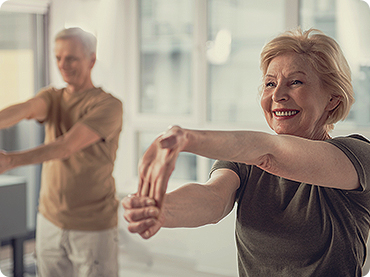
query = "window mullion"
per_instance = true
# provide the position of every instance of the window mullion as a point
(199, 74)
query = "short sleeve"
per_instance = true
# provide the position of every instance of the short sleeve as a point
(105, 117)
(241, 169)
(224, 164)
(357, 149)
(44, 94)
(47, 95)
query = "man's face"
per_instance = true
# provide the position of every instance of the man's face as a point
(74, 63)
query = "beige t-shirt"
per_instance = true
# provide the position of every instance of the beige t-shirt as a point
(78, 193)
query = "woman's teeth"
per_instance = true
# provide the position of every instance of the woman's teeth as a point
(285, 113)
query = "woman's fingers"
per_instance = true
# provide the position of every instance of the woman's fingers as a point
(158, 163)
(151, 231)
(139, 214)
(142, 211)
(135, 201)
(144, 187)
(142, 214)
(160, 188)
(139, 208)
(143, 227)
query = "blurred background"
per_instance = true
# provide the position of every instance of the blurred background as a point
(194, 63)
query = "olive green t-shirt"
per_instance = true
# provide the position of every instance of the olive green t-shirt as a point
(286, 228)
(79, 192)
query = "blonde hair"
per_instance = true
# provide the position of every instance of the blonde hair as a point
(327, 59)
(88, 40)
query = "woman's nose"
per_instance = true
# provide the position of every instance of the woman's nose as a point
(280, 94)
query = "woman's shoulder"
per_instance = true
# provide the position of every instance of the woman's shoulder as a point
(353, 140)
(349, 137)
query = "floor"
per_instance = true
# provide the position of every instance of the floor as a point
(6, 262)
(180, 253)
(134, 263)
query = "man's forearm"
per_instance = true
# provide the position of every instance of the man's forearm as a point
(78, 137)
(12, 115)
(37, 155)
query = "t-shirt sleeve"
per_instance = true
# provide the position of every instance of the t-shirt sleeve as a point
(242, 170)
(45, 94)
(224, 164)
(357, 149)
(105, 117)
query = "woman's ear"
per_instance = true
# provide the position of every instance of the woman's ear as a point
(333, 102)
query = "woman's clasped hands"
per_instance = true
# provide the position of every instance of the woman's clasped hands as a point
(144, 209)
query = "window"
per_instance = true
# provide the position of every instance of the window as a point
(199, 64)
(348, 22)
(233, 49)
(166, 29)
(22, 74)
(166, 45)
(199, 68)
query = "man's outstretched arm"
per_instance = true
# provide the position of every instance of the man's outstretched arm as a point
(77, 138)
(34, 108)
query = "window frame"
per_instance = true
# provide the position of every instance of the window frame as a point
(26, 6)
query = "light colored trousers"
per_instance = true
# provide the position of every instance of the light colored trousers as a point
(75, 253)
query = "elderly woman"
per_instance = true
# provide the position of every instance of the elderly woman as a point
(303, 197)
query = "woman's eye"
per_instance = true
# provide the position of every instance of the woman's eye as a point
(296, 82)
(269, 84)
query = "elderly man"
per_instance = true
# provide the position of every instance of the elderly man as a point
(76, 231)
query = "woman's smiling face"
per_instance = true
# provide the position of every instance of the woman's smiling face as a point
(293, 98)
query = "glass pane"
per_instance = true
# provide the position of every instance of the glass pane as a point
(166, 46)
(237, 32)
(22, 74)
(185, 168)
(16, 57)
(348, 22)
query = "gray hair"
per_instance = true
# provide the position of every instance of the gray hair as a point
(88, 40)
